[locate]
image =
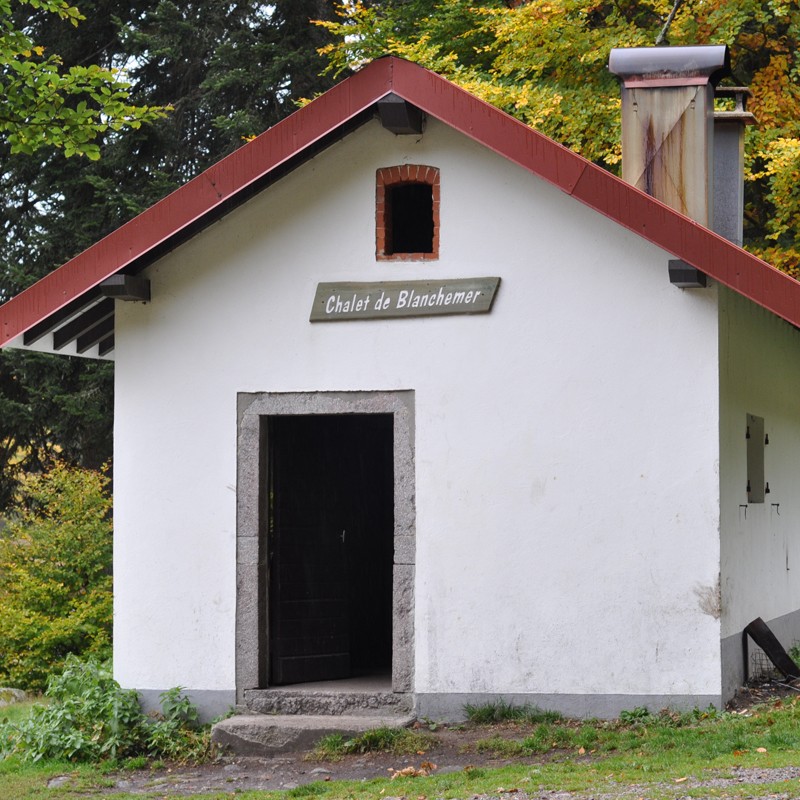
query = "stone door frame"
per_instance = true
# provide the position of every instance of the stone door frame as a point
(253, 409)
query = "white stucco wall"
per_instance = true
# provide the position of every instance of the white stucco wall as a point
(566, 443)
(760, 552)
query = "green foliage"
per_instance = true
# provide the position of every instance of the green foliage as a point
(378, 740)
(309, 790)
(636, 729)
(45, 105)
(16, 712)
(231, 70)
(473, 773)
(55, 575)
(503, 711)
(51, 408)
(90, 718)
(635, 715)
(176, 734)
(666, 717)
(330, 747)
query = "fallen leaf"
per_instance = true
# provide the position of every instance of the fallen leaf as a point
(423, 771)
(420, 752)
(507, 791)
(739, 752)
(581, 751)
(680, 780)
(402, 773)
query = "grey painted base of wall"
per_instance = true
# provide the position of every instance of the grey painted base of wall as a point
(786, 630)
(210, 703)
(450, 707)
(446, 707)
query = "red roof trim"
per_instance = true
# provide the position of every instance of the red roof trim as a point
(506, 136)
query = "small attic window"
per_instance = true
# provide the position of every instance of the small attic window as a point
(407, 213)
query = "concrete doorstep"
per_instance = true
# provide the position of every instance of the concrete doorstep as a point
(264, 734)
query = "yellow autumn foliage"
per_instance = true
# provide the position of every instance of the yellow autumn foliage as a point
(545, 63)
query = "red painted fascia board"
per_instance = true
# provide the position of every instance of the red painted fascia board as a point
(595, 187)
(195, 199)
(719, 258)
(454, 106)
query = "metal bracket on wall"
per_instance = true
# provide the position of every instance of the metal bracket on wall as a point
(685, 276)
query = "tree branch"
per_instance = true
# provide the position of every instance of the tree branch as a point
(662, 36)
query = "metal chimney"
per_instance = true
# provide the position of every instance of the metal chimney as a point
(667, 122)
(729, 163)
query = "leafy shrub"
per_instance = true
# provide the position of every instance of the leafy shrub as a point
(55, 575)
(794, 653)
(635, 716)
(176, 733)
(666, 718)
(90, 718)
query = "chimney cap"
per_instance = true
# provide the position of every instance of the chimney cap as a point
(652, 67)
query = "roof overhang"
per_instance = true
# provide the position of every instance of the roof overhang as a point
(73, 290)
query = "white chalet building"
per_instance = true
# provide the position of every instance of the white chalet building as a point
(404, 392)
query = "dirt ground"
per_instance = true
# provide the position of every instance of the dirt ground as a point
(451, 751)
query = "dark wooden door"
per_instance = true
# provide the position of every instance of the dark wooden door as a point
(330, 528)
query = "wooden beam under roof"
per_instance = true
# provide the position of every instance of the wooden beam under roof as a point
(85, 322)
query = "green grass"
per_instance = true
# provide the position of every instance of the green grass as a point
(654, 753)
(502, 711)
(16, 712)
(309, 790)
(399, 741)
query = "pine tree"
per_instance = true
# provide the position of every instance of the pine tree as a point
(229, 70)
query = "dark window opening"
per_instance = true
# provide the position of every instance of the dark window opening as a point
(410, 217)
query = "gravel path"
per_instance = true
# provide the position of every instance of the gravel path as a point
(288, 772)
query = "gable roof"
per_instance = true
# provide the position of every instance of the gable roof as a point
(55, 300)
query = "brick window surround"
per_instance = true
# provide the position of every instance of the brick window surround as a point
(405, 174)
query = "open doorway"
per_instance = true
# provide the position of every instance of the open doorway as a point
(310, 466)
(330, 546)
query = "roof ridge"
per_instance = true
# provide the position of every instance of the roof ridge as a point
(347, 105)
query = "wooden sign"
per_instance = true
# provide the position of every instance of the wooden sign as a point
(335, 302)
